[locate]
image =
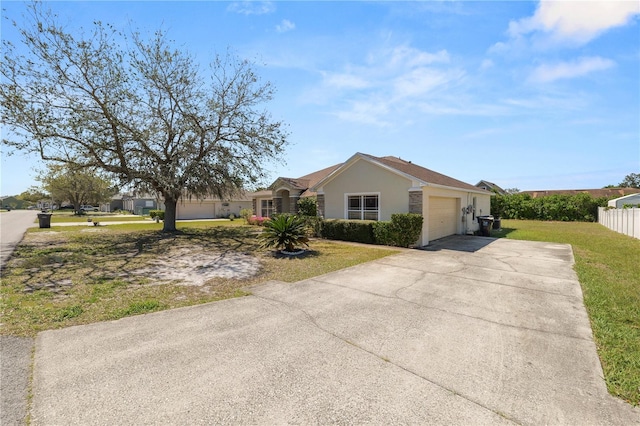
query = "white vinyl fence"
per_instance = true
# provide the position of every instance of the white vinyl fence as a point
(624, 221)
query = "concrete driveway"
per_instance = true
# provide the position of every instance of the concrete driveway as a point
(471, 331)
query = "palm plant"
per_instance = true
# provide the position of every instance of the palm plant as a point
(284, 231)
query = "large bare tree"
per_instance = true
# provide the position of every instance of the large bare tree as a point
(137, 108)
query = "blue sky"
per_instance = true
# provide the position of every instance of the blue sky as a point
(524, 94)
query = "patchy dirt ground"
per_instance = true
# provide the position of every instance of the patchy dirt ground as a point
(194, 266)
(158, 260)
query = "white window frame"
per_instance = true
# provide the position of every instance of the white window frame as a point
(362, 210)
(269, 209)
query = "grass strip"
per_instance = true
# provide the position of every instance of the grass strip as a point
(63, 276)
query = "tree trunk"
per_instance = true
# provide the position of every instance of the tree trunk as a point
(169, 215)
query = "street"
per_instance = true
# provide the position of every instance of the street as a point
(13, 225)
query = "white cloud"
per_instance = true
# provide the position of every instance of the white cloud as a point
(486, 64)
(576, 21)
(390, 82)
(366, 112)
(419, 81)
(252, 7)
(285, 26)
(547, 73)
(345, 81)
(406, 56)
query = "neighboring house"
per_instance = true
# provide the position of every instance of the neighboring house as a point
(627, 200)
(46, 205)
(12, 202)
(116, 203)
(139, 204)
(491, 187)
(211, 208)
(595, 193)
(373, 188)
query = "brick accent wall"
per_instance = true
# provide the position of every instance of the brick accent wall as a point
(293, 204)
(320, 201)
(415, 202)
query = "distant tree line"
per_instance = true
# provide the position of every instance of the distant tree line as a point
(580, 207)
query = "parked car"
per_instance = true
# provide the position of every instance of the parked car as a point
(89, 208)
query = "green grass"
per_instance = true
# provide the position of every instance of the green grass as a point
(63, 276)
(608, 267)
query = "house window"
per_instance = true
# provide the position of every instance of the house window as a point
(266, 208)
(363, 207)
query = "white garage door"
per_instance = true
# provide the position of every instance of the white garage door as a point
(443, 217)
(195, 210)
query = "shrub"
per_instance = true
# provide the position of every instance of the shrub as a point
(403, 230)
(156, 213)
(383, 233)
(314, 225)
(407, 228)
(359, 231)
(284, 231)
(246, 214)
(257, 220)
(308, 206)
(579, 207)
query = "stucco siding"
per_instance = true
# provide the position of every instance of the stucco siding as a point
(363, 177)
(210, 209)
(195, 209)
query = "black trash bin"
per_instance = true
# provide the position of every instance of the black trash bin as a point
(44, 220)
(497, 223)
(486, 222)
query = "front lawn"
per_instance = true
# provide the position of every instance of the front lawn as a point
(65, 276)
(608, 267)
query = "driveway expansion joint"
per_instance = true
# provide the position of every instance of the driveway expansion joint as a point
(387, 360)
(396, 297)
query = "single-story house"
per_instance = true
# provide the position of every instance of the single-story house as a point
(12, 202)
(140, 204)
(366, 187)
(490, 186)
(116, 203)
(627, 200)
(212, 208)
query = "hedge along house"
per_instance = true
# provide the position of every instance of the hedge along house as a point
(283, 194)
(373, 188)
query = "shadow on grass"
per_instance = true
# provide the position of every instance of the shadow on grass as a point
(276, 254)
(502, 232)
(93, 257)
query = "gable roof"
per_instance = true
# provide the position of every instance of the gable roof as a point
(627, 197)
(414, 172)
(490, 186)
(307, 182)
(596, 193)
